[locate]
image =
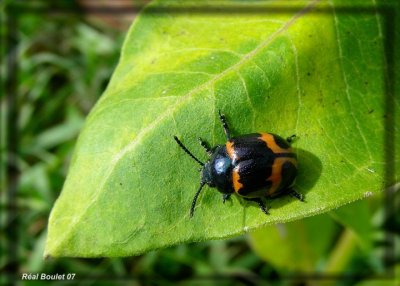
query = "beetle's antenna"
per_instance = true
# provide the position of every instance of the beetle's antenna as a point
(224, 125)
(187, 151)
(195, 198)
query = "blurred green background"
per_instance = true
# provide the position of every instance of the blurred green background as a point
(66, 52)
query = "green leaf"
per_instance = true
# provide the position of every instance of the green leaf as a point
(295, 246)
(304, 68)
(358, 218)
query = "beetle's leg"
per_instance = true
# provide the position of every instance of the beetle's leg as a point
(290, 139)
(224, 124)
(225, 197)
(260, 203)
(205, 146)
(262, 206)
(296, 195)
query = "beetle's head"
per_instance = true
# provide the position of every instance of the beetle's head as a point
(206, 176)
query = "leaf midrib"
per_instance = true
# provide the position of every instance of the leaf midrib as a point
(159, 119)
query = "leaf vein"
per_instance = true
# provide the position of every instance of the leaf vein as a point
(357, 123)
(253, 120)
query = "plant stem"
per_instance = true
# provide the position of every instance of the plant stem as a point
(340, 256)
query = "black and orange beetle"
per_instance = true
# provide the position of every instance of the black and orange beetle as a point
(253, 166)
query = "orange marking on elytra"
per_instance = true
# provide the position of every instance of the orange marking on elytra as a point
(235, 179)
(276, 175)
(231, 150)
(270, 141)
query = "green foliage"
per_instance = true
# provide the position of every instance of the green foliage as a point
(295, 246)
(56, 87)
(64, 63)
(357, 217)
(309, 70)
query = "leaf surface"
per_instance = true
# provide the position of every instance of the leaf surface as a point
(304, 68)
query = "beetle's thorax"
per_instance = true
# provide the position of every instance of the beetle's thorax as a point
(217, 172)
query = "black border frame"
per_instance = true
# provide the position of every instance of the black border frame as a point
(388, 12)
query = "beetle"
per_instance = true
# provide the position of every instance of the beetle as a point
(253, 166)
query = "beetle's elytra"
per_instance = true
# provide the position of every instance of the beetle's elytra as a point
(253, 166)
